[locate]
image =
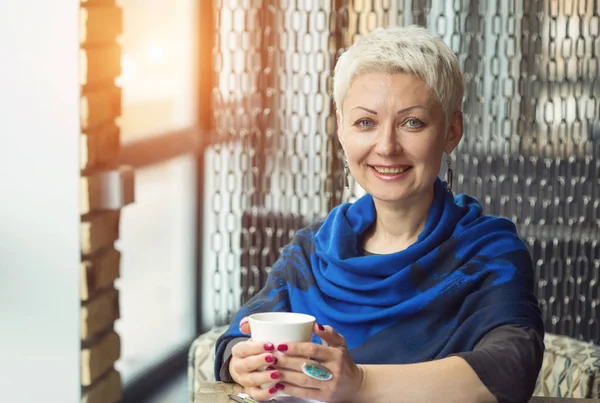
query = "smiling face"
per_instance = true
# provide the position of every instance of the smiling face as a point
(394, 137)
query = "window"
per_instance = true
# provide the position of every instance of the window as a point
(158, 67)
(158, 265)
(160, 125)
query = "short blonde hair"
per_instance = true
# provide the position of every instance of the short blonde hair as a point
(411, 50)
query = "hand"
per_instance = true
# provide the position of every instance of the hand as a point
(247, 357)
(333, 355)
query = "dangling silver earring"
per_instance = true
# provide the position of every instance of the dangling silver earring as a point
(346, 173)
(449, 173)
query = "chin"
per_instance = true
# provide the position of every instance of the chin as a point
(397, 194)
(390, 196)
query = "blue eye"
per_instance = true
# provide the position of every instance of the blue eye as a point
(414, 123)
(364, 123)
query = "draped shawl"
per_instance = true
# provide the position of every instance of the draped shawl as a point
(466, 274)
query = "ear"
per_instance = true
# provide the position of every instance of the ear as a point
(338, 117)
(455, 132)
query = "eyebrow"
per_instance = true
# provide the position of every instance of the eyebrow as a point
(399, 112)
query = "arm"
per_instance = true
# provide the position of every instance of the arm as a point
(224, 374)
(449, 380)
(508, 360)
(274, 296)
(502, 367)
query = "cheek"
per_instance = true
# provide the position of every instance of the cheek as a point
(353, 156)
(429, 150)
(355, 147)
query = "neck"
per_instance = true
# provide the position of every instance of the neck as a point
(397, 227)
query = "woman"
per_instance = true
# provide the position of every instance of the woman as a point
(419, 297)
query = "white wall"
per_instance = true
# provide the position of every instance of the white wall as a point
(39, 210)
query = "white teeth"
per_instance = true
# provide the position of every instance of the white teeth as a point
(390, 170)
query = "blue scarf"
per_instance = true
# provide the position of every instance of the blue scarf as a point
(466, 274)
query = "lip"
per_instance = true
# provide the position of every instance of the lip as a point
(391, 177)
(389, 166)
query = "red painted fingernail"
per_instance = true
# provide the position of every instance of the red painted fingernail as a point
(274, 360)
(320, 326)
(275, 375)
(282, 347)
(280, 386)
(269, 347)
(269, 358)
(273, 390)
(270, 368)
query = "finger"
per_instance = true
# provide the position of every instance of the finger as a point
(329, 336)
(290, 363)
(245, 325)
(305, 350)
(302, 392)
(302, 380)
(249, 348)
(253, 363)
(318, 329)
(301, 367)
(258, 378)
(260, 394)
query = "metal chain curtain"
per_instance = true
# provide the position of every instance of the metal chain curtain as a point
(531, 70)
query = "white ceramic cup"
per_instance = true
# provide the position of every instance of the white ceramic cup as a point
(280, 327)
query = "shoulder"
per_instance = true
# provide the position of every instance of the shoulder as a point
(322, 225)
(490, 235)
(472, 218)
(295, 255)
(496, 247)
(490, 247)
(304, 238)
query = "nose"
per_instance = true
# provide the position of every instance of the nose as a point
(388, 143)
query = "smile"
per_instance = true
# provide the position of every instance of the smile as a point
(391, 170)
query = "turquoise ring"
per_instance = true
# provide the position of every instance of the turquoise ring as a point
(316, 371)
